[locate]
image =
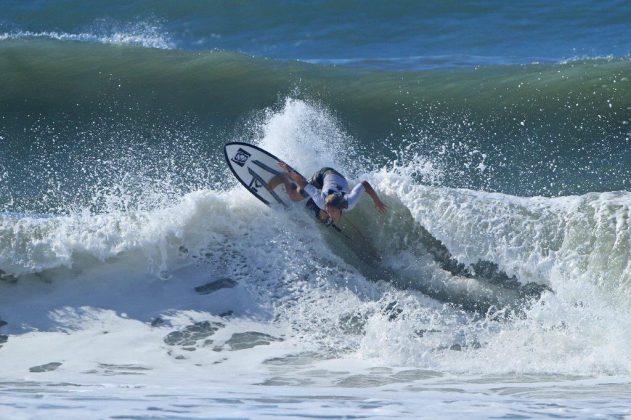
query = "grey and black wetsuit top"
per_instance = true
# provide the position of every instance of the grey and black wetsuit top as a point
(328, 181)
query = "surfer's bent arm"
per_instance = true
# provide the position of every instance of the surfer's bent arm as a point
(381, 208)
(315, 194)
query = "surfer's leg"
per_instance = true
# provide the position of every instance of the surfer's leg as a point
(275, 181)
(290, 187)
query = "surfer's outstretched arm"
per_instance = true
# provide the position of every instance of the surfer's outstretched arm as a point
(381, 208)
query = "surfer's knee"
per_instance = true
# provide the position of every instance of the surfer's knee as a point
(295, 195)
(275, 181)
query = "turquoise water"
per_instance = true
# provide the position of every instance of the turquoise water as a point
(539, 93)
(539, 129)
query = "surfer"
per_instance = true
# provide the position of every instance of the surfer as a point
(327, 190)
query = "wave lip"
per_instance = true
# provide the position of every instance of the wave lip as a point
(139, 35)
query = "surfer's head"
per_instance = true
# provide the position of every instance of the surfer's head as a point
(334, 204)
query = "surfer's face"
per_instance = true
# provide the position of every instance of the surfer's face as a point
(334, 213)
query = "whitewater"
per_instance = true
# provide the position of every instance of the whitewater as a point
(216, 302)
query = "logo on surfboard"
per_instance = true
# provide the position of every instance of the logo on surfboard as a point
(255, 184)
(241, 157)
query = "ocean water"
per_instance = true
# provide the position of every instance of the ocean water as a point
(138, 279)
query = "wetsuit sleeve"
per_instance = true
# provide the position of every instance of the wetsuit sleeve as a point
(354, 196)
(315, 194)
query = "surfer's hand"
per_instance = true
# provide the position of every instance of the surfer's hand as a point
(381, 208)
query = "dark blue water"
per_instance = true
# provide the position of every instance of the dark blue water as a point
(400, 35)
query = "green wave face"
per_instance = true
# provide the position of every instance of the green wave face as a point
(546, 129)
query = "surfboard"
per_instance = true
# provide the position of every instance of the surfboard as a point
(254, 168)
